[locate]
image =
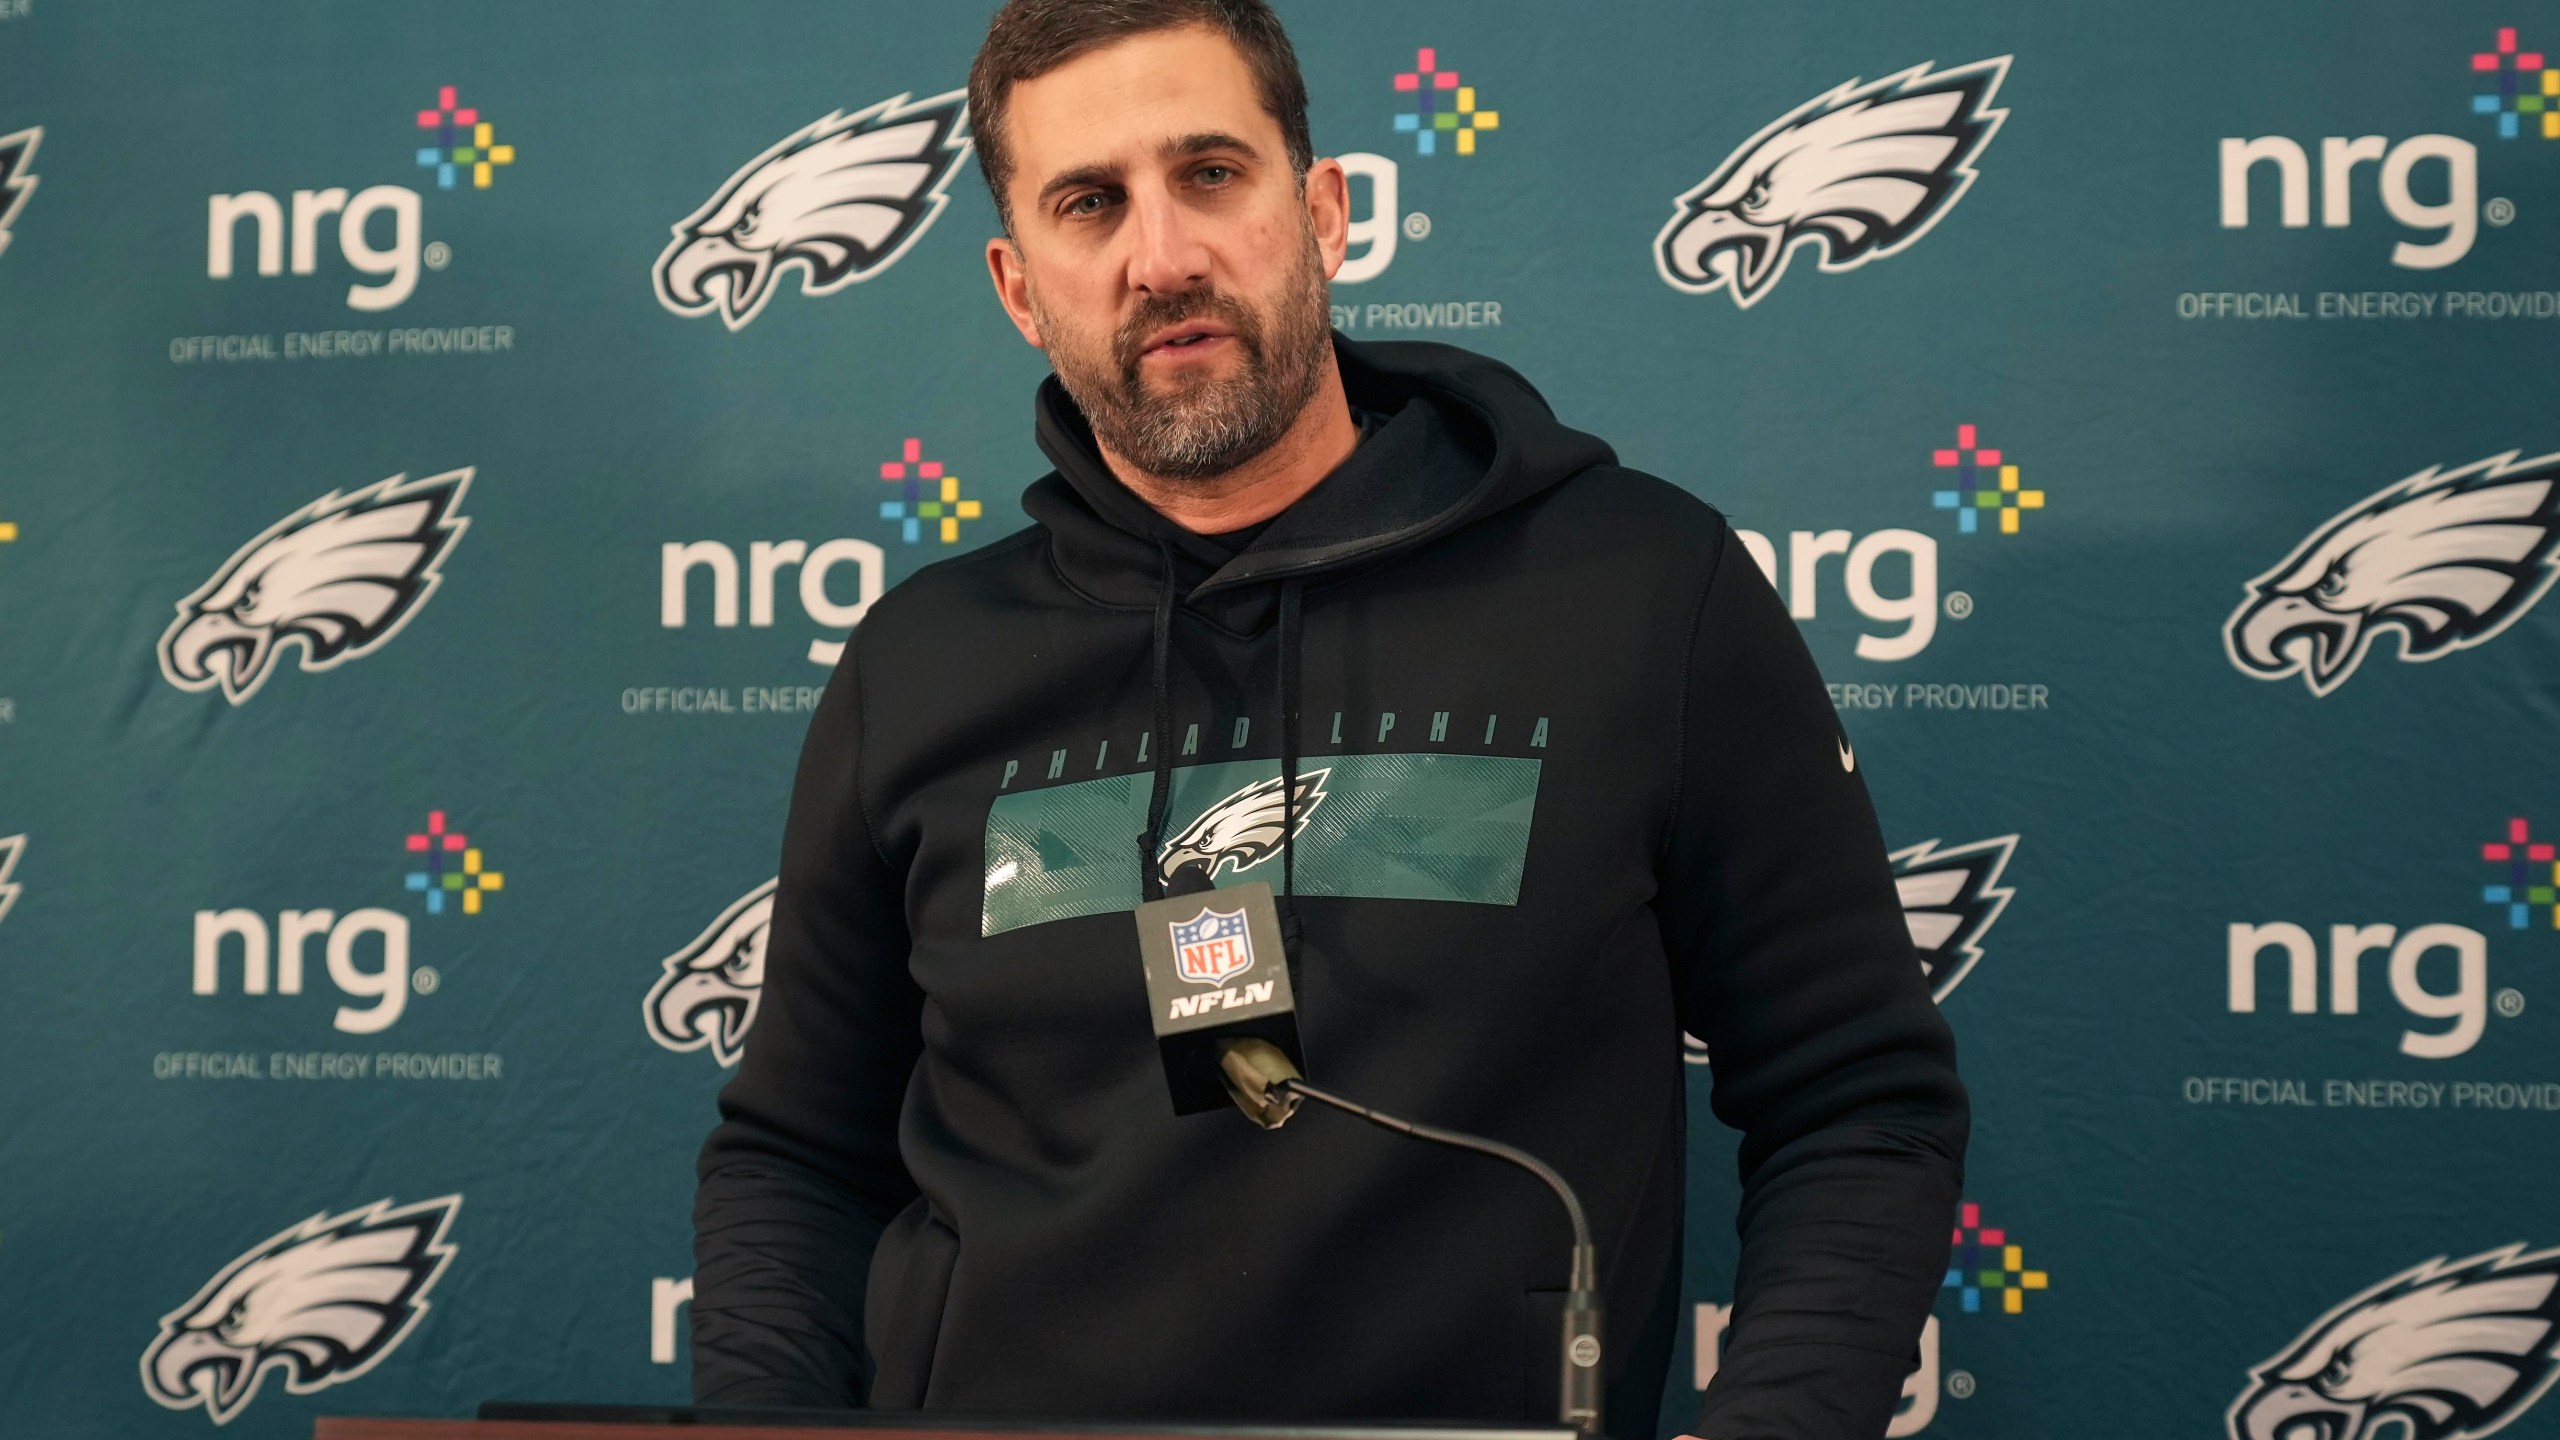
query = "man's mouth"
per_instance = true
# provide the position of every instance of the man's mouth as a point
(1187, 338)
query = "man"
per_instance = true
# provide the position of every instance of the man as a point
(1559, 780)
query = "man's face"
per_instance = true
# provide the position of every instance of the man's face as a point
(1165, 255)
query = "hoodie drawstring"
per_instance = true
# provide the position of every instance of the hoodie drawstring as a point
(1150, 846)
(1151, 881)
(1291, 591)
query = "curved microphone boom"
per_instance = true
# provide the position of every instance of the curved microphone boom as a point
(1267, 1088)
(1225, 1018)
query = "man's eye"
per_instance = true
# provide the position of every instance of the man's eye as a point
(1088, 204)
(1215, 174)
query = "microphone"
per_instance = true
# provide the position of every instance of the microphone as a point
(1238, 1043)
(1218, 975)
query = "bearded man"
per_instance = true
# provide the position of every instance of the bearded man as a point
(1555, 779)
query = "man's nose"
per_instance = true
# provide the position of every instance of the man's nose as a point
(1169, 253)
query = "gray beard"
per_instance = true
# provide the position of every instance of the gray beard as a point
(1206, 429)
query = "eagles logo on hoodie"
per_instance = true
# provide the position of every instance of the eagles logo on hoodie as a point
(323, 1302)
(839, 200)
(1241, 831)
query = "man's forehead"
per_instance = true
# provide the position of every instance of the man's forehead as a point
(1136, 100)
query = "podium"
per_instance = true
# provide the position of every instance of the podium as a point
(504, 1420)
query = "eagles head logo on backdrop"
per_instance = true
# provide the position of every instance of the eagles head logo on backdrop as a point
(840, 200)
(1240, 831)
(709, 992)
(17, 177)
(2441, 1351)
(338, 578)
(1949, 900)
(1858, 173)
(11, 847)
(2445, 559)
(323, 1302)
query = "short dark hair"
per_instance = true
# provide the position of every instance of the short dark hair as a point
(1030, 38)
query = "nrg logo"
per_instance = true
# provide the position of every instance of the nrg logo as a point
(766, 559)
(283, 235)
(396, 263)
(273, 959)
(2455, 218)
(2463, 959)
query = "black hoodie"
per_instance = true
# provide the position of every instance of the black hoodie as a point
(1567, 782)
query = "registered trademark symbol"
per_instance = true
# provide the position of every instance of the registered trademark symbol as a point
(1417, 226)
(2500, 211)
(424, 979)
(2510, 1002)
(1960, 1384)
(1959, 604)
(439, 254)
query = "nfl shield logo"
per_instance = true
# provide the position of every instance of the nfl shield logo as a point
(1212, 949)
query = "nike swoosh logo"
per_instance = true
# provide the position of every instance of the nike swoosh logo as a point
(1848, 757)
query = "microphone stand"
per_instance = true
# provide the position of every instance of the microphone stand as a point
(1267, 1087)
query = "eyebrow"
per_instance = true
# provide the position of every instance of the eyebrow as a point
(1197, 143)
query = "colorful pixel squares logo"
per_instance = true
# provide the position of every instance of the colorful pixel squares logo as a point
(2531, 892)
(1438, 104)
(1988, 1262)
(449, 866)
(911, 472)
(2527, 99)
(464, 144)
(1986, 482)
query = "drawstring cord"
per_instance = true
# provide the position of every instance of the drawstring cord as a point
(1291, 591)
(1150, 845)
(1151, 884)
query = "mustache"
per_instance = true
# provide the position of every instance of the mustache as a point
(1154, 312)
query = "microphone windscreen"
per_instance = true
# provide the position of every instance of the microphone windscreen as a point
(1216, 971)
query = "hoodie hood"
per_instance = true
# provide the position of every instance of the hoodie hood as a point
(1462, 437)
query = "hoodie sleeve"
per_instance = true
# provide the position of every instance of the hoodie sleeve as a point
(1793, 963)
(803, 1172)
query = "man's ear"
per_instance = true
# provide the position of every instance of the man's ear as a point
(1013, 286)
(1328, 196)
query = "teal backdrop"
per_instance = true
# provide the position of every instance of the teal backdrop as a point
(419, 507)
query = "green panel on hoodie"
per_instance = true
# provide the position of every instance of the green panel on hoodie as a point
(1386, 827)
